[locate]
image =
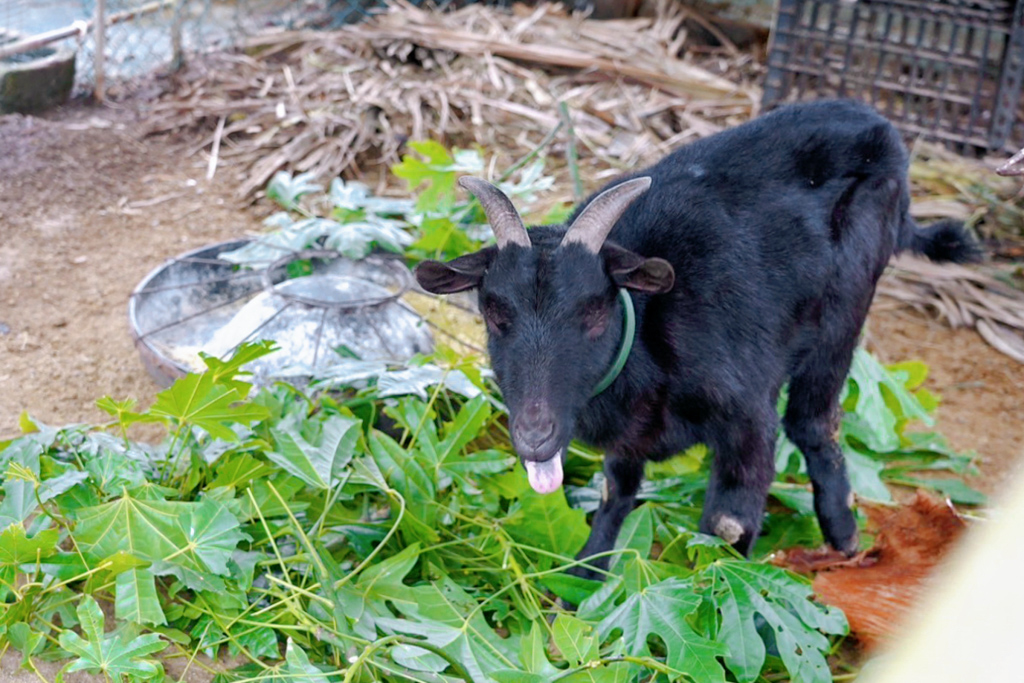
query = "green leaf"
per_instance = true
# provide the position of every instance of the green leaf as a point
(122, 411)
(238, 470)
(225, 371)
(442, 618)
(146, 529)
(193, 541)
(62, 483)
(136, 599)
(197, 400)
(478, 463)
(355, 197)
(123, 561)
(25, 640)
(378, 586)
(464, 428)
(18, 503)
(572, 589)
(956, 490)
(298, 667)
(573, 639)
(418, 659)
(547, 522)
(407, 476)
(436, 172)
(90, 618)
(533, 652)
(795, 497)
(866, 475)
(114, 654)
(661, 609)
(258, 642)
(16, 548)
(883, 405)
(321, 463)
(442, 237)
(285, 190)
(914, 371)
(743, 590)
(112, 471)
(211, 535)
(637, 534)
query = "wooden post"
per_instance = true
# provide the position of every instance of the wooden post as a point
(178, 53)
(100, 35)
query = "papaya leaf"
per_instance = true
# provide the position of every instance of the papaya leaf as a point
(135, 598)
(16, 548)
(547, 522)
(743, 590)
(320, 464)
(113, 654)
(661, 609)
(197, 400)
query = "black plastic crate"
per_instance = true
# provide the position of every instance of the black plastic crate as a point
(950, 70)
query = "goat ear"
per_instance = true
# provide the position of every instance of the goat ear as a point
(632, 271)
(457, 275)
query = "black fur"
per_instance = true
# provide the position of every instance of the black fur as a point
(777, 231)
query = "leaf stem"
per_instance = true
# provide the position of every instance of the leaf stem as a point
(529, 156)
(570, 152)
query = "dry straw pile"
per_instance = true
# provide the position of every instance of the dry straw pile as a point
(344, 102)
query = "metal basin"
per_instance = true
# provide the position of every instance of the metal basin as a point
(198, 303)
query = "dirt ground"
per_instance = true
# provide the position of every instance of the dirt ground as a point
(87, 208)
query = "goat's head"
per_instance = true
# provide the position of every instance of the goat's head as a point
(554, 321)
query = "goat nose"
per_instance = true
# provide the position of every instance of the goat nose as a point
(534, 426)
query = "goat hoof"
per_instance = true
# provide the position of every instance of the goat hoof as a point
(729, 529)
(850, 546)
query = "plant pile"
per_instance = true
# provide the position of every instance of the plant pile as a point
(383, 531)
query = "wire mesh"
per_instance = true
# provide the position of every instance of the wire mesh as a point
(946, 69)
(145, 35)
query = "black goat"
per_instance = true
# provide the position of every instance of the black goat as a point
(751, 258)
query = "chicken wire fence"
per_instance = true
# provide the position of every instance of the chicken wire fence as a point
(141, 36)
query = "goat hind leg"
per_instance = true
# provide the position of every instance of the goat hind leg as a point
(811, 421)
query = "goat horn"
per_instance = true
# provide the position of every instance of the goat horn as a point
(591, 227)
(504, 219)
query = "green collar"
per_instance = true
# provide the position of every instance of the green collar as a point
(628, 336)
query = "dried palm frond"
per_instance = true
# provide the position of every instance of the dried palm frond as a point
(953, 186)
(962, 297)
(877, 588)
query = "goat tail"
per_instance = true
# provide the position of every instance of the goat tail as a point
(947, 240)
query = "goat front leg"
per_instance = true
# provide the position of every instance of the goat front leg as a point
(742, 470)
(623, 475)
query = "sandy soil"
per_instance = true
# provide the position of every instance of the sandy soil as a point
(87, 208)
(982, 391)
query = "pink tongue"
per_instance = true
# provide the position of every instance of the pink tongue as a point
(546, 476)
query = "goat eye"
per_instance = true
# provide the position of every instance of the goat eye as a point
(497, 318)
(595, 318)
